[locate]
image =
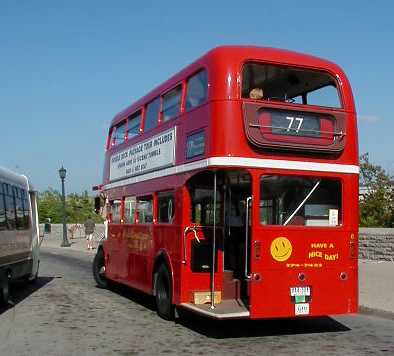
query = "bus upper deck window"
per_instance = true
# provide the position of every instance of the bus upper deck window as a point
(117, 135)
(152, 114)
(133, 125)
(197, 90)
(172, 103)
(290, 84)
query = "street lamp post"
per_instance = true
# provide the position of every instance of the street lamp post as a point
(62, 175)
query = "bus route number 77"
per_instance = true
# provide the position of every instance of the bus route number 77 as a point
(297, 121)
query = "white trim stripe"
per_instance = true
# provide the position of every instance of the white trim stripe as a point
(242, 162)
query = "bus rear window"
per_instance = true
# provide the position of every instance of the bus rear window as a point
(305, 201)
(289, 84)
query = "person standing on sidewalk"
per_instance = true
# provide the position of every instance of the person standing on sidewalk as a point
(89, 230)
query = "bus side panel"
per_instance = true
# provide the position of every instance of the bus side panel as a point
(116, 254)
(168, 239)
(139, 246)
(15, 246)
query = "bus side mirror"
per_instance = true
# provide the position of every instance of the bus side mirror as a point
(97, 205)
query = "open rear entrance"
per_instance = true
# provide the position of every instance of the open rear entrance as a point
(218, 243)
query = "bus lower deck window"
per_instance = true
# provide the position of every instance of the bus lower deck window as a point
(129, 210)
(166, 207)
(145, 210)
(115, 211)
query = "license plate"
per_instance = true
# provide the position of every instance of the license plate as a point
(302, 309)
(300, 291)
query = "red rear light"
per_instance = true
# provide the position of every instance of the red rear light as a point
(353, 247)
(257, 250)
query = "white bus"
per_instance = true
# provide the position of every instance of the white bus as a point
(19, 231)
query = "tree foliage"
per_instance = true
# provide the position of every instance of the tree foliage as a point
(377, 204)
(79, 207)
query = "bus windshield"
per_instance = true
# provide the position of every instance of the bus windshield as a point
(289, 84)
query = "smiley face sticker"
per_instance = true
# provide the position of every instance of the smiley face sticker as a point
(281, 249)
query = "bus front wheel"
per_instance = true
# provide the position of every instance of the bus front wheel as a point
(163, 293)
(99, 270)
(4, 290)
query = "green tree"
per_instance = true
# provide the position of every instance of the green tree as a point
(78, 207)
(377, 204)
(50, 206)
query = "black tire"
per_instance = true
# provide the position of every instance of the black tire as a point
(32, 280)
(4, 293)
(163, 293)
(99, 270)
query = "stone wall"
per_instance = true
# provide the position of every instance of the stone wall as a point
(376, 244)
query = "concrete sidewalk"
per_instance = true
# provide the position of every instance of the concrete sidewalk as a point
(376, 287)
(77, 244)
(376, 278)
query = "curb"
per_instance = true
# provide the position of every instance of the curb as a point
(362, 309)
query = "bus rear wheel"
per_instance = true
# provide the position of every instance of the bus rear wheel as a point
(163, 293)
(99, 270)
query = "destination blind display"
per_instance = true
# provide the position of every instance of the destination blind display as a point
(295, 125)
(149, 155)
(286, 123)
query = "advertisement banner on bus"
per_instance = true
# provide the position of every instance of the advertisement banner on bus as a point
(152, 154)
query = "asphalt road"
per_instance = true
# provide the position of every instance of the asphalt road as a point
(65, 314)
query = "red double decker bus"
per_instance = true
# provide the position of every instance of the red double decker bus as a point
(232, 189)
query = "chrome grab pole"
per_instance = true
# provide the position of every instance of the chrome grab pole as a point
(248, 199)
(187, 229)
(213, 245)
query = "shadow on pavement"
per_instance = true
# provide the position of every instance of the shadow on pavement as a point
(20, 290)
(222, 329)
(134, 295)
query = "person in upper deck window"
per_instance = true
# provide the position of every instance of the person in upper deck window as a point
(256, 93)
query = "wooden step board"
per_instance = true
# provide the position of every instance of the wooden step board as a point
(231, 286)
(227, 309)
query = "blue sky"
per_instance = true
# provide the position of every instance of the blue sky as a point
(67, 67)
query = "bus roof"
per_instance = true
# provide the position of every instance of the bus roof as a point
(232, 54)
(14, 178)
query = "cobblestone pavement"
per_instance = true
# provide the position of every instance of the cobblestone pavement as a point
(65, 314)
